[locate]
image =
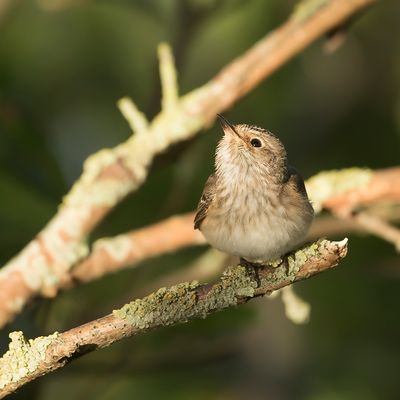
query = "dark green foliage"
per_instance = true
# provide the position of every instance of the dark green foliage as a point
(61, 73)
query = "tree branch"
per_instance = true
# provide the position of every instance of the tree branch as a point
(27, 360)
(112, 254)
(43, 266)
(168, 77)
(378, 227)
(344, 192)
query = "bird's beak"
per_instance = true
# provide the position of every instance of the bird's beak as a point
(227, 126)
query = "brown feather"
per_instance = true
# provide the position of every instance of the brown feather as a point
(296, 179)
(205, 201)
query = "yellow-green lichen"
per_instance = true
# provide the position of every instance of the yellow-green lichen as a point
(328, 184)
(89, 191)
(291, 264)
(276, 263)
(117, 247)
(136, 119)
(183, 302)
(301, 256)
(34, 267)
(23, 357)
(163, 307)
(172, 125)
(189, 300)
(168, 75)
(237, 282)
(97, 193)
(306, 8)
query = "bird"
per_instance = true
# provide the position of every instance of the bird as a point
(255, 205)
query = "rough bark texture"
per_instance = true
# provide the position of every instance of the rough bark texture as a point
(27, 360)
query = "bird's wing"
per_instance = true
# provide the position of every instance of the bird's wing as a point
(295, 189)
(296, 179)
(204, 202)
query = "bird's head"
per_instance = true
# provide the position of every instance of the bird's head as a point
(252, 148)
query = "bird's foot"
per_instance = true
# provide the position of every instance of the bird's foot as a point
(252, 269)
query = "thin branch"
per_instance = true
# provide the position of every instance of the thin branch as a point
(136, 119)
(331, 226)
(378, 227)
(43, 266)
(169, 85)
(343, 193)
(112, 254)
(27, 360)
(344, 190)
(297, 309)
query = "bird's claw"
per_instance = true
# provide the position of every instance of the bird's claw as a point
(252, 269)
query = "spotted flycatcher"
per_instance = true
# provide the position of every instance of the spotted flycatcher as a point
(255, 205)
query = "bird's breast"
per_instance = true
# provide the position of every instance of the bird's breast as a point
(252, 221)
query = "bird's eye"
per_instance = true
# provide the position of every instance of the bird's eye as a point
(255, 142)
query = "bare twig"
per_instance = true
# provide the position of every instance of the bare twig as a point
(27, 360)
(378, 227)
(136, 119)
(297, 310)
(168, 78)
(42, 268)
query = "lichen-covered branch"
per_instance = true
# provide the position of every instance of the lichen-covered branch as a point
(168, 78)
(26, 360)
(112, 254)
(43, 267)
(345, 192)
(349, 188)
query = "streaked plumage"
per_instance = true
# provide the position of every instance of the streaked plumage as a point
(255, 205)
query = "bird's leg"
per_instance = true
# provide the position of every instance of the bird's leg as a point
(252, 269)
(285, 261)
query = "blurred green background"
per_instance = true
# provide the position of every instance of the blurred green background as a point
(63, 66)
